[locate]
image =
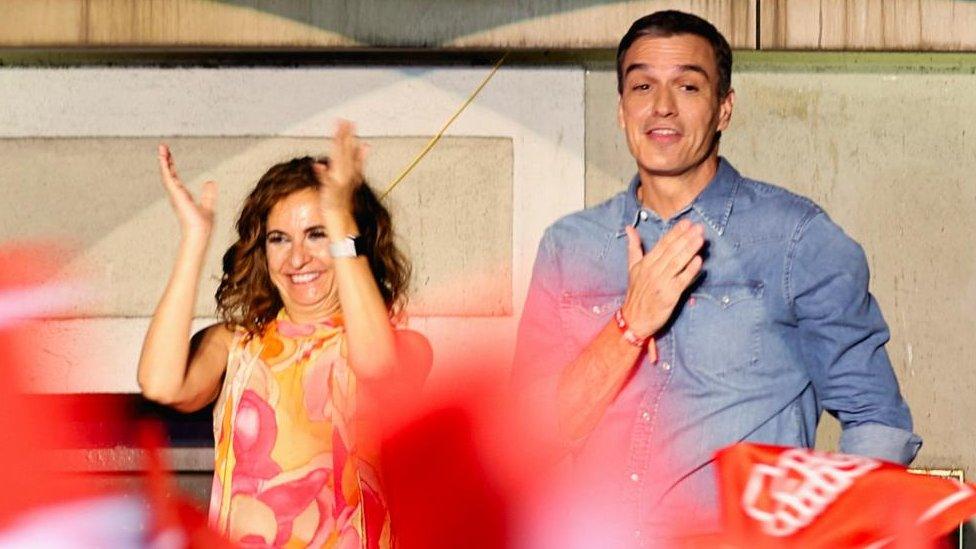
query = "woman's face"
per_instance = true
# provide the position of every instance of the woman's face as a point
(298, 255)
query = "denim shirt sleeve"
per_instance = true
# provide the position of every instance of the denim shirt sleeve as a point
(541, 352)
(843, 336)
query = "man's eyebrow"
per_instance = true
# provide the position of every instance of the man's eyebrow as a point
(680, 68)
(634, 67)
(694, 68)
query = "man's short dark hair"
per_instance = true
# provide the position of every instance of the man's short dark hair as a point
(663, 24)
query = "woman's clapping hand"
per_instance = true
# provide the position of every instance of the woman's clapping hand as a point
(196, 216)
(344, 172)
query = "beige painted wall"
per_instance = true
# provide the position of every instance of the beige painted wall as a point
(891, 157)
(104, 195)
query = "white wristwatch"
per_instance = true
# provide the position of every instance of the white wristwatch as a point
(350, 246)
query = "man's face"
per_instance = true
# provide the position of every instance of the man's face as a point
(669, 107)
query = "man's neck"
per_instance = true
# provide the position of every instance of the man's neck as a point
(667, 195)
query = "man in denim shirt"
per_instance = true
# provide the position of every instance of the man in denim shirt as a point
(699, 308)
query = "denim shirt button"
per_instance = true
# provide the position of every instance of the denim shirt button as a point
(726, 300)
(646, 416)
(643, 215)
(634, 477)
(665, 366)
(596, 309)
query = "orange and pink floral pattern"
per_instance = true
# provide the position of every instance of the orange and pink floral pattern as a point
(287, 472)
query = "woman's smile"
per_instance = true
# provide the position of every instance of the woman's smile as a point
(298, 253)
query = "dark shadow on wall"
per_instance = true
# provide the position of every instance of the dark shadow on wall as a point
(411, 22)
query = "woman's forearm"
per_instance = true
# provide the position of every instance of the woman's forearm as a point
(165, 351)
(369, 333)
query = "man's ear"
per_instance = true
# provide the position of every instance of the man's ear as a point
(725, 110)
(620, 112)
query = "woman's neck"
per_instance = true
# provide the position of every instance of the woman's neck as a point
(313, 314)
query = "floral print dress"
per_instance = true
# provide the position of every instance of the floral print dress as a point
(287, 472)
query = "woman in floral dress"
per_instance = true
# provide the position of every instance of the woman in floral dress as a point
(306, 299)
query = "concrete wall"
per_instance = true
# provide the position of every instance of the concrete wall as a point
(890, 154)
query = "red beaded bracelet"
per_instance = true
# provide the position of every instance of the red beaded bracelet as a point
(628, 334)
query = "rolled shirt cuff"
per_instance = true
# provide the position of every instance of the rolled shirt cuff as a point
(880, 441)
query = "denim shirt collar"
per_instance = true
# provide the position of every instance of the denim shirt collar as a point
(713, 204)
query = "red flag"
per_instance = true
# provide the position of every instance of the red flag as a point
(796, 497)
(43, 503)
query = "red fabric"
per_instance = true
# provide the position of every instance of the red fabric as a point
(32, 471)
(441, 494)
(457, 462)
(31, 429)
(773, 496)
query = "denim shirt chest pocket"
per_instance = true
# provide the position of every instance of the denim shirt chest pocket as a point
(584, 315)
(723, 321)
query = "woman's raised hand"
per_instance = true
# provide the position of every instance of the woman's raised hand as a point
(344, 174)
(196, 217)
(170, 371)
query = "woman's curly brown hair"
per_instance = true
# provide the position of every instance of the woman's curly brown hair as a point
(246, 296)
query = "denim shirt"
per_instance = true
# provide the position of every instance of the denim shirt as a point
(778, 327)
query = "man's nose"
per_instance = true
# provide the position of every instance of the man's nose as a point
(664, 104)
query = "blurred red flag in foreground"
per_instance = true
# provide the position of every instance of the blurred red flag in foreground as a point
(468, 468)
(796, 497)
(30, 434)
(455, 463)
(43, 503)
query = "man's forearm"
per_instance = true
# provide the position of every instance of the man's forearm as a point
(590, 383)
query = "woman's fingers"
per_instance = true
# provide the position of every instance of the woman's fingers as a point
(191, 212)
(348, 154)
(165, 164)
(343, 135)
(321, 170)
(343, 129)
(208, 196)
(167, 170)
(361, 153)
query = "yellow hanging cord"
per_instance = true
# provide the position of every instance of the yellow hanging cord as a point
(433, 141)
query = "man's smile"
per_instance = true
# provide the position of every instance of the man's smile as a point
(665, 135)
